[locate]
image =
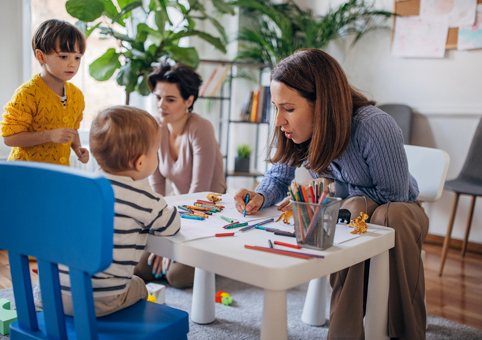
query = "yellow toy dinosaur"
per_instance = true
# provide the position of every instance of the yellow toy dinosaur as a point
(359, 224)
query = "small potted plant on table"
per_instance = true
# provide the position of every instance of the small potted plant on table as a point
(241, 163)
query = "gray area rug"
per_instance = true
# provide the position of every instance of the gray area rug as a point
(242, 320)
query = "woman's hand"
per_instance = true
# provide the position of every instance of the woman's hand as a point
(255, 201)
(159, 264)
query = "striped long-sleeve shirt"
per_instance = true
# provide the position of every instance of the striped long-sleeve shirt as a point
(138, 212)
(373, 165)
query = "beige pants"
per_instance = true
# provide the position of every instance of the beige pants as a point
(178, 275)
(406, 308)
(109, 304)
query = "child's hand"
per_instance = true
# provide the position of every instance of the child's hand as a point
(62, 135)
(285, 205)
(83, 155)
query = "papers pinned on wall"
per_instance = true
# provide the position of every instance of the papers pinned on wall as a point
(458, 12)
(470, 37)
(420, 38)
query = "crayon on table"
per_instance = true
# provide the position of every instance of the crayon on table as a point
(245, 204)
(237, 225)
(224, 234)
(192, 217)
(227, 219)
(227, 225)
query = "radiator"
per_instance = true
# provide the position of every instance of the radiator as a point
(90, 166)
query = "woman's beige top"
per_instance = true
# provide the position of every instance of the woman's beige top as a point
(199, 166)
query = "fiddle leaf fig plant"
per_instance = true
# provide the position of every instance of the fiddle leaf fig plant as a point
(278, 29)
(146, 35)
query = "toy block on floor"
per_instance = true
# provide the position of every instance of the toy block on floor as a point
(158, 291)
(7, 316)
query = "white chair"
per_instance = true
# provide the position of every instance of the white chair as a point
(429, 167)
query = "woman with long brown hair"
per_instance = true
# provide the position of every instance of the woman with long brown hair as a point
(333, 130)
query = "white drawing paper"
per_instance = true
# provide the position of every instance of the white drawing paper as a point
(470, 37)
(420, 38)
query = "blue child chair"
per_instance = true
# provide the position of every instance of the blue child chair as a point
(65, 216)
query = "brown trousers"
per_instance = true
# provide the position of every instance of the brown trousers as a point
(406, 308)
(178, 275)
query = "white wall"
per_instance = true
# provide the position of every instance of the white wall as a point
(446, 96)
(13, 55)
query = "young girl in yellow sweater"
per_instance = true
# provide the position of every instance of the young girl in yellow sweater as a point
(42, 118)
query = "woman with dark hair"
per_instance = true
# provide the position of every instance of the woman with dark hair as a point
(189, 155)
(334, 131)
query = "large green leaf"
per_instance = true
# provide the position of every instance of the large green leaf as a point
(127, 76)
(125, 11)
(216, 42)
(223, 7)
(85, 10)
(104, 67)
(160, 9)
(142, 88)
(110, 10)
(185, 55)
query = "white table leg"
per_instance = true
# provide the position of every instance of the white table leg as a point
(314, 311)
(274, 325)
(377, 298)
(203, 303)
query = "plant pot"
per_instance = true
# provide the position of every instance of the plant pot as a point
(241, 164)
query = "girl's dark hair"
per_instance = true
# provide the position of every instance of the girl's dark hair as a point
(318, 78)
(49, 32)
(185, 77)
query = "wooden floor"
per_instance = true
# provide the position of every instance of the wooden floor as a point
(457, 295)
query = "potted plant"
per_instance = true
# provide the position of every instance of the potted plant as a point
(146, 37)
(277, 30)
(241, 162)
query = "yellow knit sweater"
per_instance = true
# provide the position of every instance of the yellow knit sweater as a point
(35, 107)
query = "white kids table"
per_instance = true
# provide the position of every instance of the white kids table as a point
(276, 274)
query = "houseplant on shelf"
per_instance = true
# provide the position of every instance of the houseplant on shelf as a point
(241, 162)
(145, 37)
(277, 30)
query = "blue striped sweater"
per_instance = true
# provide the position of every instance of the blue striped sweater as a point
(373, 165)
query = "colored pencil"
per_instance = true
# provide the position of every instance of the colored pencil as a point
(313, 198)
(307, 207)
(287, 245)
(317, 213)
(284, 233)
(278, 251)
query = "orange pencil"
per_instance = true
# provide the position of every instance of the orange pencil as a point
(305, 197)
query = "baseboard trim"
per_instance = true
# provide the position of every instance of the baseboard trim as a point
(454, 243)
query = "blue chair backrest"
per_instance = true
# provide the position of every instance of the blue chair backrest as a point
(59, 215)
